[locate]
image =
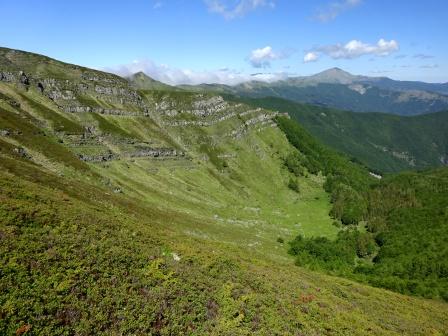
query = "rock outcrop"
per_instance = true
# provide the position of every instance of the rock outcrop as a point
(80, 92)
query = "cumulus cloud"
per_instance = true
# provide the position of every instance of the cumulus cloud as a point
(310, 57)
(176, 76)
(231, 10)
(334, 9)
(355, 49)
(262, 57)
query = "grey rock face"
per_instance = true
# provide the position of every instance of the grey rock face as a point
(24, 78)
(20, 151)
(100, 110)
(69, 95)
(157, 152)
(208, 106)
(6, 76)
(61, 95)
(98, 158)
(202, 106)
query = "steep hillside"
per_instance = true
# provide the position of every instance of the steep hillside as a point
(129, 211)
(383, 142)
(393, 231)
(339, 89)
(194, 152)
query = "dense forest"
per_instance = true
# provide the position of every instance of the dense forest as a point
(394, 232)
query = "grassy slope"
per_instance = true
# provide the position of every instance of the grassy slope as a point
(78, 258)
(365, 136)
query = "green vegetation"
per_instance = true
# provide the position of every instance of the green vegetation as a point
(408, 216)
(24, 131)
(404, 247)
(213, 155)
(108, 127)
(345, 181)
(384, 142)
(59, 122)
(77, 260)
(183, 229)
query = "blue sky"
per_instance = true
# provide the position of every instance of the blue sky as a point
(228, 41)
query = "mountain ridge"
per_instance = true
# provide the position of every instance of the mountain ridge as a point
(127, 211)
(339, 89)
(383, 142)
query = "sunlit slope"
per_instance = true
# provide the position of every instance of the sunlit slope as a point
(198, 154)
(139, 212)
(79, 259)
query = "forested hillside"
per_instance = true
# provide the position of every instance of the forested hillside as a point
(394, 231)
(383, 142)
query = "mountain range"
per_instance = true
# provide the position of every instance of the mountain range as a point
(384, 142)
(339, 89)
(130, 207)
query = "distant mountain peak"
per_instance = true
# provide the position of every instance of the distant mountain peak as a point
(336, 70)
(141, 80)
(142, 75)
(334, 75)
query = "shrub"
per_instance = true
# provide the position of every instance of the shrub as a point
(293, 184)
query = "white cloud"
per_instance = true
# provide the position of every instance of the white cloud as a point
(262, 57)
(355, 49)
(310, 57)
(334, 9)
(231, 10)
(176, 76)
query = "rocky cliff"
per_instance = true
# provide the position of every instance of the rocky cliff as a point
(103, 105)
